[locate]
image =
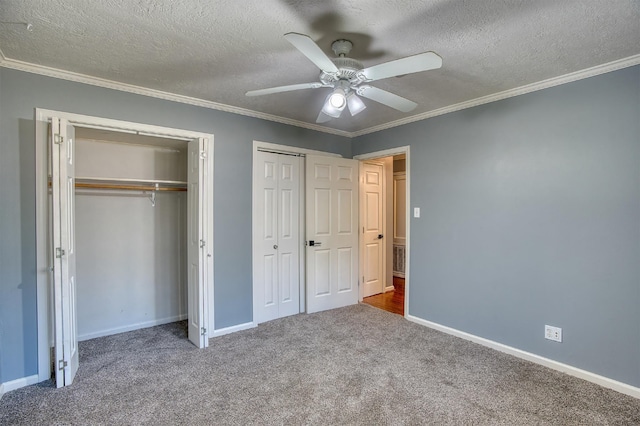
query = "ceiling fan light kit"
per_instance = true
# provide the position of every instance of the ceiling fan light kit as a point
(330, 108)
(338, 98)
(355, 104)
(347, 77)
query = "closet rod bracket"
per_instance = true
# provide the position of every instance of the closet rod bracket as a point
(152, 196)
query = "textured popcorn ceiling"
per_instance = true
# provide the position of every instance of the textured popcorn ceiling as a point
(217, 50)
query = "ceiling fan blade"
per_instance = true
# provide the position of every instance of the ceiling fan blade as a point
(311, 50)
(387, 98)
(417, 63)
(283, 89)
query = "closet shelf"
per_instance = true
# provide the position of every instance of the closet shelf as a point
(129, 184)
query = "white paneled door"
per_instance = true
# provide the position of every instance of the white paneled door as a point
(276, 262)
(372, 228)
(332, 232)
(199, 250)
(62, 145)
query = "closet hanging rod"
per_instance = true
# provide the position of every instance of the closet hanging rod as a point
(125, 187)
(130, 181)
(129, 187)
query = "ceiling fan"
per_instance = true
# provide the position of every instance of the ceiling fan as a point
(348, 78)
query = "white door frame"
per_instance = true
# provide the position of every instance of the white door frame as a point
(43, 237)
(284, 149)
(388, 153)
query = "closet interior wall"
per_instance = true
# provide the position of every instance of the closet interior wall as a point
(131, 244)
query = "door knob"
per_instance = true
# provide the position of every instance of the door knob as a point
(380, 236)
(275, 247)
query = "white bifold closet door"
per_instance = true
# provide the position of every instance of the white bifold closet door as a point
(332, 232)
(62, 146)
(200, 242)
(276, 263)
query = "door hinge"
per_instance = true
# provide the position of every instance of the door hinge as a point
(59, 252)
(62, 364)
(203, 155)
(58, 139)
(203, 331)
(202, 243)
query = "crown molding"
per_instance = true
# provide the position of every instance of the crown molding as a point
(138, 90)
(533, 87)
(110, 84)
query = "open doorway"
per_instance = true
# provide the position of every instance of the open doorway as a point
(384, 224)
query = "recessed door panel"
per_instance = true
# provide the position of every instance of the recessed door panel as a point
(322, 262)
(372, 212)
(346, 212)
(286, 270)
(346, 272)
(270, 214)
(287, 213)
(270, 280)
(322, 172)
(323, 212)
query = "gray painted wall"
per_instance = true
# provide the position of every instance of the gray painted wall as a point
(531, 213)
(234, 135)
(531, 216)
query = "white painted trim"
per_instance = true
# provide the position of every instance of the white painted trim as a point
(388, 153)
(80, 120)
(1, 384)
(537, 359)
(131, 327)
(290, 149)
(384, 153)
(138, 90)
(18, 383)
(233, 329)
(43, 261)
(533, 87)
(110, 84)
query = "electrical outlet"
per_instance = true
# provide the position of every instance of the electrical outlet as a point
(553, 333)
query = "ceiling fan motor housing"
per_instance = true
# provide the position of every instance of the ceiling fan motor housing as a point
(348, 69)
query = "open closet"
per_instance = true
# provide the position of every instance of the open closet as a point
(127, 231)
(131, 226)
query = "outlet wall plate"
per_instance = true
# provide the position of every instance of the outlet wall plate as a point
(553, 333)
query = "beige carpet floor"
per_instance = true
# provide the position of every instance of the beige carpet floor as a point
(355, 365)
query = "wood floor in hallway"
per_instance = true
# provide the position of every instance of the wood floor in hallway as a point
(391, 301)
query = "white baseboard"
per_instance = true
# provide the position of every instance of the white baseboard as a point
(233, 329)
(131, 327)
(18, 383)
(555, 365)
